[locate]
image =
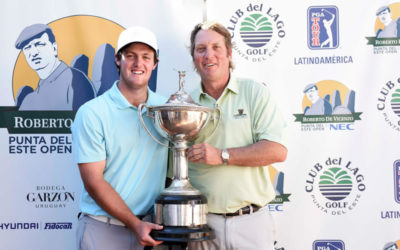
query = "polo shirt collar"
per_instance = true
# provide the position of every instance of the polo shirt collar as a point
(232, 86)
(121, 102)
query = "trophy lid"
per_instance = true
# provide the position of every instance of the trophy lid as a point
(181, 98)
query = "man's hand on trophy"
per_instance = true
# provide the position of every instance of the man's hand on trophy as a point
(142, 231)
(204, 153)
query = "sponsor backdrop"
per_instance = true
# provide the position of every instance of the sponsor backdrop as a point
(331, 65)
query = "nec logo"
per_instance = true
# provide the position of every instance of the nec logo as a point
(328, 245)
(341, 126)
(275, 207)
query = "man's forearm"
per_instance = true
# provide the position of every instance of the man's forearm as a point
(109, 200)
(261, 153)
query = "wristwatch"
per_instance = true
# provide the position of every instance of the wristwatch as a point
(225, 156)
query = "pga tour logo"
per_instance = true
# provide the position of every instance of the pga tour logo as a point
(328, 245)
(323, 27)
(396, 173)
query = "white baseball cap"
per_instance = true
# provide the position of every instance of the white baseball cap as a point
(139, 35)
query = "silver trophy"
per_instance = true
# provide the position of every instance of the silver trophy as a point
(181, 208)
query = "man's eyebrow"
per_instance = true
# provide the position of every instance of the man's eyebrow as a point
(38, 42)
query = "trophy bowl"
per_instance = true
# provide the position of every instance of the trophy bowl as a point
(181, 209)
(180, 123)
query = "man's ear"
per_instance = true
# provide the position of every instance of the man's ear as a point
(117, 61)
(55, 48)
(155, 64)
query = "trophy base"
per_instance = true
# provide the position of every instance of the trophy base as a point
(184, 218)
(172, 235)
(181, 210)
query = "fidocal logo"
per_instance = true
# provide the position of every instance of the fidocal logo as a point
(257, 31)
(58, 226)
(389, 103)
(335, 186)
(10, 226)
(328, 105)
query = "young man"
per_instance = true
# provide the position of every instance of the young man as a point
(228, 167)
(122, 168)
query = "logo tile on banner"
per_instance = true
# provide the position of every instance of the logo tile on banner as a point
(389, 103)
(10, 226)
(50, 197)
(394, 214)
(57, 226)
(396, 174)
(386, 39)
(328, 245)
(328, 105)
(24, 226)
(277, 246)
(323, 35)
(47, 97)
(392, 246)
(257, 31)
(277, 178)
(335, 186)
(88, 59)
(323, 27)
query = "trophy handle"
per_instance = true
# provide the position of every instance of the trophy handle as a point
(144, 125)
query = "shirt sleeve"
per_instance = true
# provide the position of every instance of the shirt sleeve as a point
(267, 120)
(88, 136)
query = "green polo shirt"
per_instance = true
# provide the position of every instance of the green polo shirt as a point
(248, 114)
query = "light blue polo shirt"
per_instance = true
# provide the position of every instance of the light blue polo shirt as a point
(108, 127)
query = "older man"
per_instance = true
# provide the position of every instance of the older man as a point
(392, 28)
(229, 167)
(319, 106)
(60, 87)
